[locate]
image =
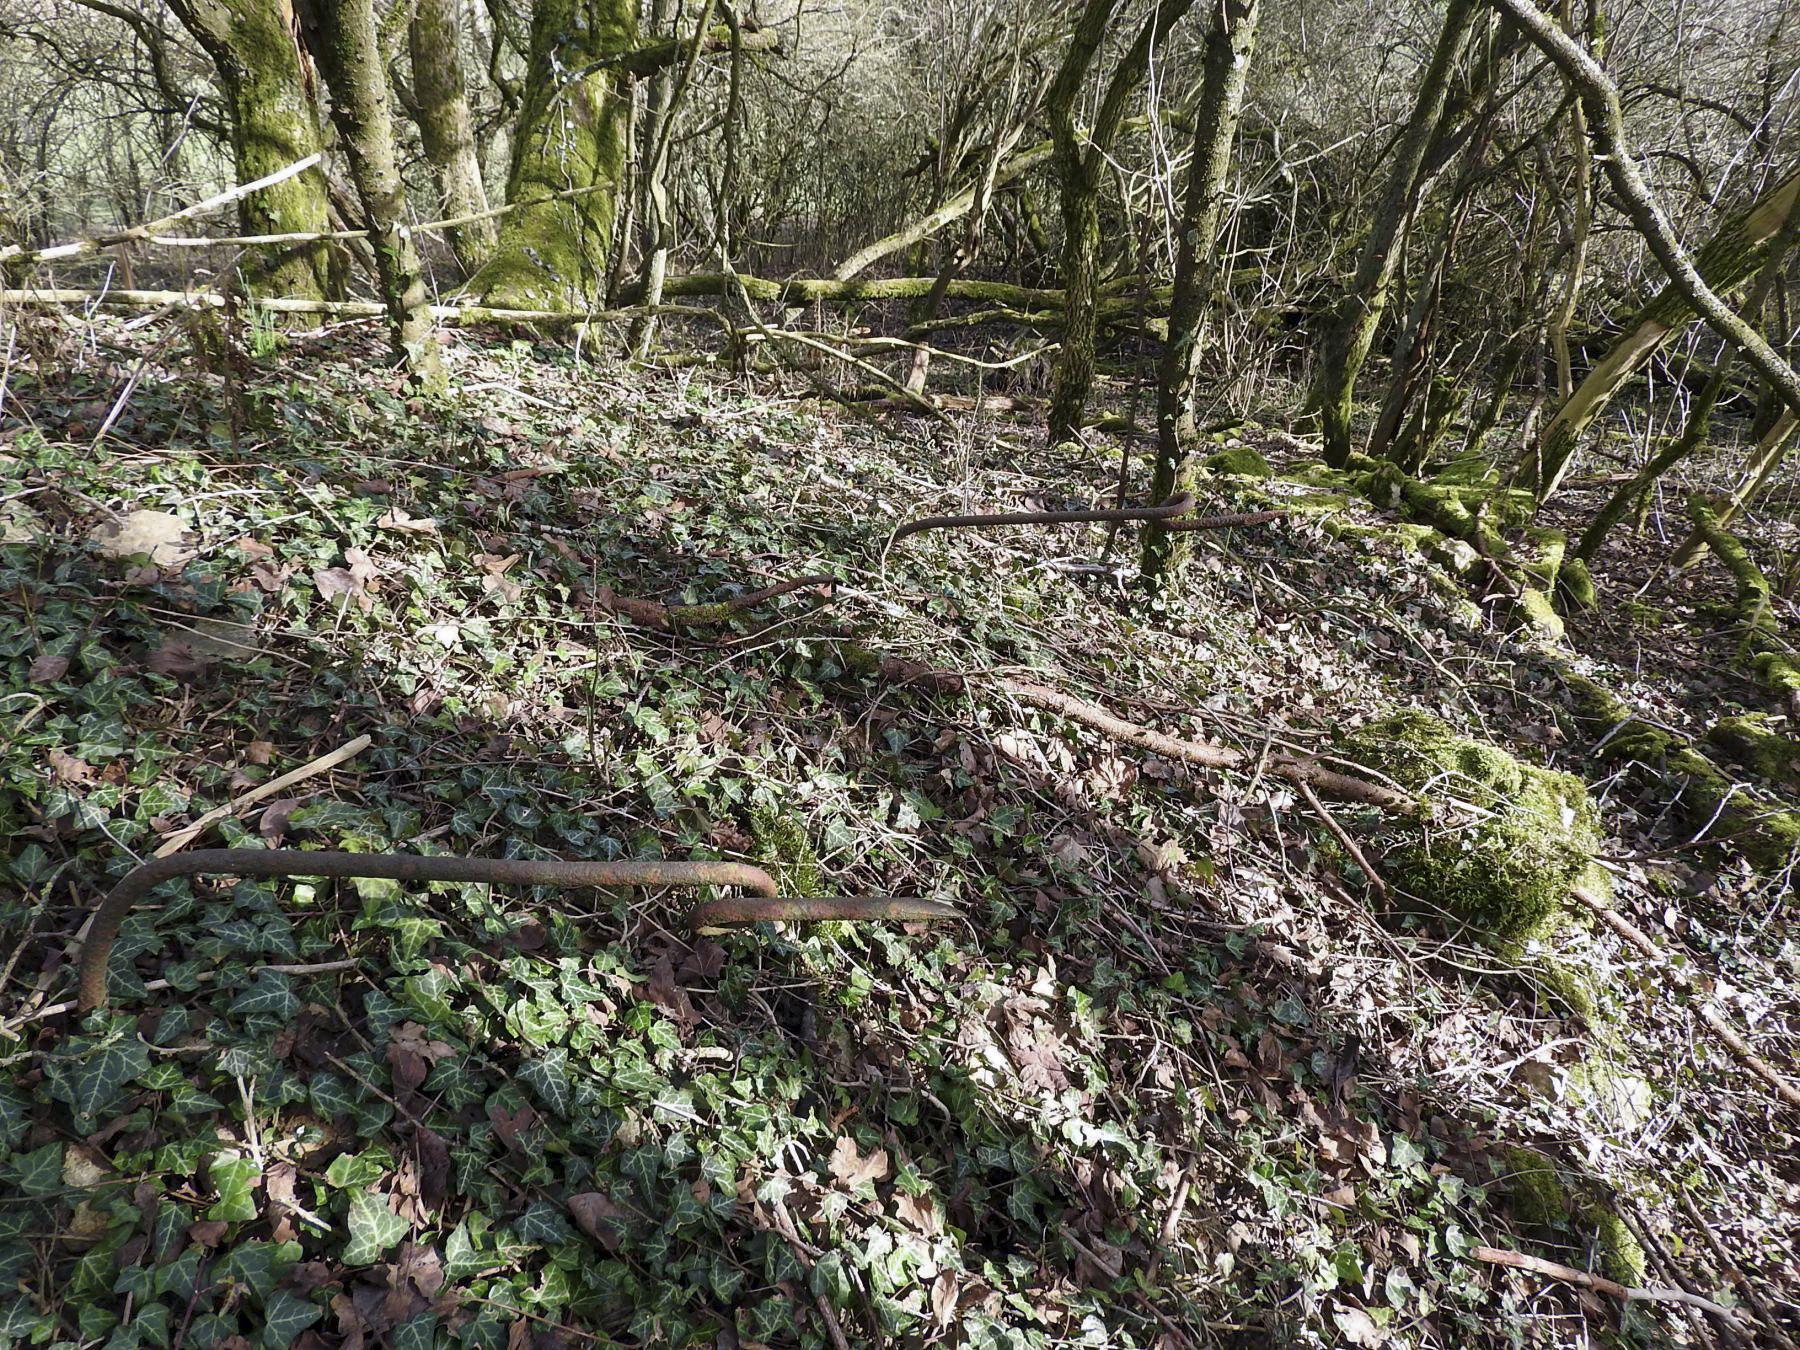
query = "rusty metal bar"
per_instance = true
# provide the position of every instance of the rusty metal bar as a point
(766, 904)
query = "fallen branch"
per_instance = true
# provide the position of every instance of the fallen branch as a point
(20, 256)
(1601, 1285)
(187, 834)
(455, 316)
(1723, 1030)
(1294, 769)
(1178, 505)
(1226, 521)
(653, 614)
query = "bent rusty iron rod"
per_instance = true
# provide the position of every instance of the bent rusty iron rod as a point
(1178, 505)
(766, 904)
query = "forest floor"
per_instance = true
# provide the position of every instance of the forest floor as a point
(1174, 1079)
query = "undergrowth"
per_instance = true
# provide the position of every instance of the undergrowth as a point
(1171, 1082)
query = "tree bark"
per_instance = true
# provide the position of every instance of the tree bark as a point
(1346, 345)
(1078, 173)
(1225, 67)
(268, 83)
(434, 42)
(570, 134)
(343, 37)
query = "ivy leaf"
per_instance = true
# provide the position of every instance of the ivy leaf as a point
(830, 1280)
(331, 1095)
(92, 1083)
(373, 1228)
(285, 1316)
(271, 993)
(234, 1177)
(416, 1333)
(40, 1171)
(548, 1076)
(542, 1224)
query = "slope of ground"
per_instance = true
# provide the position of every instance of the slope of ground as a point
(1171, 1080)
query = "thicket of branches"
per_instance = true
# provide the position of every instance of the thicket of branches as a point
(1408, 222)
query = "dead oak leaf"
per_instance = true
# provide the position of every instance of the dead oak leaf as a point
(852, 1167)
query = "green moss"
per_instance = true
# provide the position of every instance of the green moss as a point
(1467, 471)
(1384, 484)
(1575, 585)
(1457, 555)
(1778, 673)
(1541, 1198)
(1510, 839)
(1538, 1194)
(1546, 562)
(1240, 460)
(1764, 831)
(1537, 613)
(782, 847)
(1621, 1254)
(1750, 741)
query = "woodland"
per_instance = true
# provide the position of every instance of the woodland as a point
(993, 673)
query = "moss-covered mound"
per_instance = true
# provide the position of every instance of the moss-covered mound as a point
(1506, 841)
(1240, 460)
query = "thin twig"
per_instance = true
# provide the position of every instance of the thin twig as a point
(1583, 1279)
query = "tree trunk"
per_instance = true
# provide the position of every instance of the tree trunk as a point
(1230, 40)
(268, 84)
(1078, 173)
(446, 129)
(1346, 345)
(570, 133)
(1726, 261)
(343, 37)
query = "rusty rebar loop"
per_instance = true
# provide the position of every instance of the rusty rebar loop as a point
(767, 903)
(1178, 505)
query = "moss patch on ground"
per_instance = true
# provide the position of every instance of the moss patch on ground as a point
(1510, 839)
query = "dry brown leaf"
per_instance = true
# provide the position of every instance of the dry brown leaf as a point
(260, 752)
(852, 1167)
(663, 991)
(597, 1216)
(158, 536)
(943, 1298)
(66, 768)
(407, 1066)
(1358, 1327)
(917, 1212)
(396, 519)
(177, 659)
(434, 1168)
(47, 668)
(274, 822)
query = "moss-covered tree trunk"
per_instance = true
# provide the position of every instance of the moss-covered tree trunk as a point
(343, 38)
(268, 83)
(446, 129)
(1346, 344)
(570, 139)
(1080, 163)
(1730, 258)
(1230, 40)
